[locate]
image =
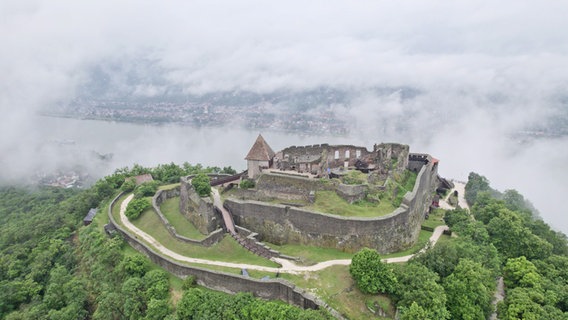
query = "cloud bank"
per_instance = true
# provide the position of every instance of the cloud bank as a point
(485, 71)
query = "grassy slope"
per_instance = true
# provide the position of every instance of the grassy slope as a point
(330, 202)
(170, 209)
(226, 250)
(335, 286)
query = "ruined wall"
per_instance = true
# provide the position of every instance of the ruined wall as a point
(199, 211)
(394, 232)
(391, 157)
(352, 193)
(321, 157)
(272, 289)
(163, 195)
(286, 187)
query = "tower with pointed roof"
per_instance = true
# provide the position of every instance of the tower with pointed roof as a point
(259, 157)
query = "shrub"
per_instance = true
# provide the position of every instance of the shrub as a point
(136, 207)
(202, 184)
(189, 282)
(247, 184)
(146, 189)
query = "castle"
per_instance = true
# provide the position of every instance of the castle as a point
(298, 173)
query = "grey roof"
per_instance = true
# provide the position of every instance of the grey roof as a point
(260, 150)
(90, 215)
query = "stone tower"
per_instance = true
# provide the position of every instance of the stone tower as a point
(259, 157)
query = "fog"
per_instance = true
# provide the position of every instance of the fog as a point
(484, 72)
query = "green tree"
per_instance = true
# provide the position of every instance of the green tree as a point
(202, 184)
(519, 272)
(414, 312)
(135, 265)
(157, 284)
(475, 184)
(371, 274)
(158, 309)
(469, 291)
(134, 298)
(513, 239)
(418, 285)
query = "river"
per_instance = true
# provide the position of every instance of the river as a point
(539, 170)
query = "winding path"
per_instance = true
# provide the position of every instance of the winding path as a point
(287, 266)
(460, 188)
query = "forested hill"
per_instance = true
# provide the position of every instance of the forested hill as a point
(51, 267)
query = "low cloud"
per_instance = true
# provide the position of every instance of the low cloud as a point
(481, 73)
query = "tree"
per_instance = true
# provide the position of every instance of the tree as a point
(513, 239)
(519, 272)
(158, 309)
(371, 274)
(202, 184)
(229, 170)
(418, 285)
(157, 284)
(475, 184)
(135, 265)
(414, 312)
(469, 290)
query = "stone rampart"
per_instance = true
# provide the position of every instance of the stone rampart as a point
(288, 187)
(352, 193)
(163, 195)
(397, 231)
(272, 289)
(199, 210)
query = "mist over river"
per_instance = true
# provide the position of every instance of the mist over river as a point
(538, 169)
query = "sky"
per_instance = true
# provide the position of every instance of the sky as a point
(484, 70)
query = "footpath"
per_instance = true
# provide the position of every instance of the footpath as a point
(287, 266)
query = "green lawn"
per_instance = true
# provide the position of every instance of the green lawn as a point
(330, 202)
(169, 186)
(226, 250)
(170, 209)
(335, 286)
(310, 255)
(436, 219)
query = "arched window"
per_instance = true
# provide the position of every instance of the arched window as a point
(336, 154)
(347, 154)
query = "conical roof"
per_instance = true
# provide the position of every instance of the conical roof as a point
(260, 150)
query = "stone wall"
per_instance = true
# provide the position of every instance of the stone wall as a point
(352, 193)
(287, 187)
(397, 231)
(198, 210)
(272, 289)
(163, 195)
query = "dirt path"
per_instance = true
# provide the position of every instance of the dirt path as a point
(460, 188)
(287, 265)
(498, 297)
(226, 215)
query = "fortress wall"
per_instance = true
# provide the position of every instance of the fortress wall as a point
(163, 195)
(272, 289)
(394, 232)
(286, 187)
(198, 210)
